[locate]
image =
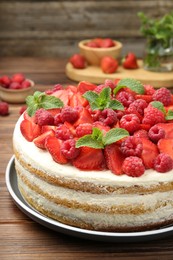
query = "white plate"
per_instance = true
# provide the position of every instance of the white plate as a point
(11, 182)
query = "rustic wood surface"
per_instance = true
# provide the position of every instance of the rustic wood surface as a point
(22, 238)
(53, 28)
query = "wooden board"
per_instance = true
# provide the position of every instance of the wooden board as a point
(95, 75)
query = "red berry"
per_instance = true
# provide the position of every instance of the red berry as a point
(18, 77)
(84, 129)
(131, 146)
(153, 116)
(63, 133)
(133, 166)
(107, 43)
(5, 81)
(108, 117)
(139, 105)
(69, 114)
(4, 108)
(78, 61)
(43, 117)
(130, 122)
(163, 95)
(109, 65)
(156, 133)
(141, 134)
(163, 163)
(22, 109)
(69, 150)
(92, 44)
(149, 89)
(26, 84)
(15, 85)
(130, 61)
(99, 88)
(109, 83)
(125, 98)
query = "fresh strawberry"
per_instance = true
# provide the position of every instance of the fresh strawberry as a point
(26, 84)
(84, 86)
(109, 65)
(40, 140)
(18, 77)
(165, 145)
(149, 153)
(30, 130)
(84, 117)
(147, 98)
(78, 100)
(114, 158)
(92, 44)
(5, 81)
(22, 109)
(72, 88)
(104, 128)
(46, 128)
(63, 94)
(4, 108)
(168, 127)
(130, 61)
(78, 61)
(53, 145)
(54, 111)
(89, 159)
(107, 43)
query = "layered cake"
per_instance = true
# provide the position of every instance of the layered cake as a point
(98, 157)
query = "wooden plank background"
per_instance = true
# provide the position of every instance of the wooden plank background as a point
(53, 28)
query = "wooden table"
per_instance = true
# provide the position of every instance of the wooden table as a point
(22, 238)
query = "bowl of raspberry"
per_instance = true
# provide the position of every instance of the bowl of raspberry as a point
(95, 49)
(16, 88)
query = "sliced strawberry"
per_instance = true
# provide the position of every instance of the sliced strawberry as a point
(70, 127)
(168, 127)
(40, 140)
(46, 128)
(54, 111)
(145, 126)
(53, 145)
(114, 158)
(89, 159)
(84, 117)
(72, 88)
(147, 98)
(149, 152)
(84, 86)
(165, 145)
(29, 130)
(63, 94)
(78, 100)
(104, 128)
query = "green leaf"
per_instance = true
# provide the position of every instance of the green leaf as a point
(41, 100)
(115, 105)
(130, 83)
(159, 105)
(91, 96)
(169, 115)
(88, 141)
(97, 134)
(114, 135)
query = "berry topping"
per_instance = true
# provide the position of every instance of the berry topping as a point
(149, 89)
(84, 129)
(163, 163)
(43, 117)
(108, 117)
(4, 108)
(152, 115)
(139, 105)
(163, 95)
(156, 133)
(125, 98)
(133, 166)
(69, 149)
(130, 122)
(63, 133)
(141, 134)
(69, 114)
(131, 146)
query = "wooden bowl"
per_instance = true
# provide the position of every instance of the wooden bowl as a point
(16, 95)
(94, 55)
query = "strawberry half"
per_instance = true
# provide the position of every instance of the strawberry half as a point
(89, 159)
(40, 140)
(30, 130)
(53, 145)
(166, 146)
(149, 153)
(114, 158)
(84, 86)
(168, 127)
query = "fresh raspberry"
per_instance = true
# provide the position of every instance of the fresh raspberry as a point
(130, 122)
(69, 114)
(109, 83)
(125, 98)
(163, 95)
(141, 134)
(55, 88)
(131, 146)
(94, 113)
(156, 133)
(43, 117)
(120, 114)
(63, 133)
(4, 108)
(133, 166)
(84, 129)
(139, 105)
(57, 119)
(108, 117)
(5, 81)
(149, 89)
(69, 149)
(15, 85)
(153, 116)
(99, 88)
(163, 163)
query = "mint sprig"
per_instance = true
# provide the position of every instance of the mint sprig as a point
(41, 100)
(102, 100)
(130, 83)
(98, 141)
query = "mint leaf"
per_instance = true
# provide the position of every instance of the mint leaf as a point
(169, 115)
(88, 141)
(114, 135)
(132, 84)
(97, 134)
(41, 100)
(159, 105)
(102, 100)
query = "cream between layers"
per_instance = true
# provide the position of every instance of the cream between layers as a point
(127, 208)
